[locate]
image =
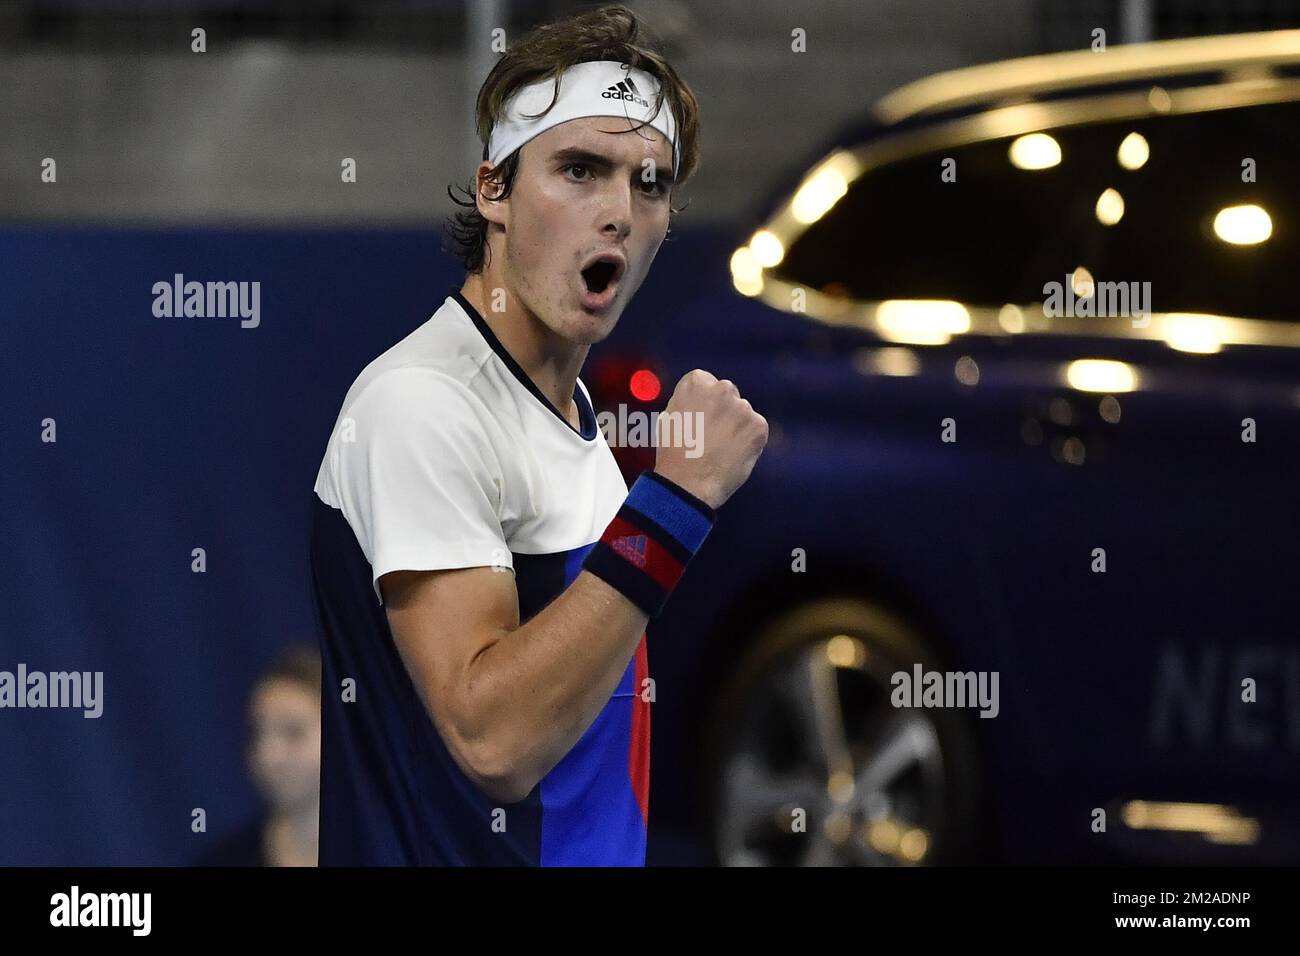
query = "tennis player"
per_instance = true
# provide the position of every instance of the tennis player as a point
(482, 572)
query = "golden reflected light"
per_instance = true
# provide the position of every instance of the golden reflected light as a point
(1134, 151)
(1034, 151)
(894, 361)
(840, 786)
(746, 273)
(1101, 375)
(1193, 332)
(767, 249)
(1110, 207)
(819, 192)
(1243, 225)
(1215, 822)
(913, 845)
(883, 835)
(1081, 282)
(921, 321)
(1011, 319)
(843, 651)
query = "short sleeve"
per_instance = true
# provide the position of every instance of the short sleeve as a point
(416, 476)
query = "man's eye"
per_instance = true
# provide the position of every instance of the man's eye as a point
(657, 188)
(572, 166)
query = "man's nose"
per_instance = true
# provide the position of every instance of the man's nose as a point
(616, 210)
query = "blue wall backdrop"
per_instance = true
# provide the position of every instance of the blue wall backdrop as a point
(175, 434)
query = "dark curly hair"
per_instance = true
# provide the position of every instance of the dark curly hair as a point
(298, 664)
(609, 33)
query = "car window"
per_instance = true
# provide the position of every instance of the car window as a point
(998, 233)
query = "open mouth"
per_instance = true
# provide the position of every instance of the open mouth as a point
(600, 277)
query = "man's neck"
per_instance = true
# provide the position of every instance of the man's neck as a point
(291, 839)
(551, 362)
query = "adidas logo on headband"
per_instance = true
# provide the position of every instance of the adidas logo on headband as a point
(626, 90)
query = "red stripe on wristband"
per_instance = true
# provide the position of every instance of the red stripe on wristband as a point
(637, 548)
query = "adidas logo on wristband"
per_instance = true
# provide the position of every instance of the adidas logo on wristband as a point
(632, 547)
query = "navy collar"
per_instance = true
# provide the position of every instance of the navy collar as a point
(586, 416)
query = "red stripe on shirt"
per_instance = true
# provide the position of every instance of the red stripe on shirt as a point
(638, 754)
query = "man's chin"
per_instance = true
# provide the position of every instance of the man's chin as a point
(591, 328)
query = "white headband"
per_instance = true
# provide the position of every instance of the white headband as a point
(595, 88)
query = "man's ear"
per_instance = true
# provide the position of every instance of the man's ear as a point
(485, 192)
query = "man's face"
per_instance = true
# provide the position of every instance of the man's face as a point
(284, 744)
(586, 188)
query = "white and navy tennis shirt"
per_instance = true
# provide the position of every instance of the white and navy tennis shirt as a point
(446, 455)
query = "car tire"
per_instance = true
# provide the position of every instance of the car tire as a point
(877, 785)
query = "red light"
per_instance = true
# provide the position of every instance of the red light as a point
(644, 385)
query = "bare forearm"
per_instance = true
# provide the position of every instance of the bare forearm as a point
(540, 686)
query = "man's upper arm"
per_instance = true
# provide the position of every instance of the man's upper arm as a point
(441, 622)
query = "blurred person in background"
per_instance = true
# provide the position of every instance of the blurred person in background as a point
(284, 762)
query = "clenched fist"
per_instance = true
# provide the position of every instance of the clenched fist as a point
(732, 435)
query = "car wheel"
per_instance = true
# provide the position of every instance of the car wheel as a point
(809, 764)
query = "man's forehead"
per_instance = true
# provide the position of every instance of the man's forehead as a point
(615, 137)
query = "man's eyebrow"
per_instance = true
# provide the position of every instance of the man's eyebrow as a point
(576, 154)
